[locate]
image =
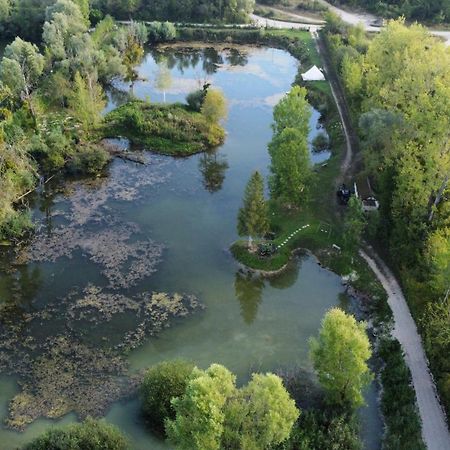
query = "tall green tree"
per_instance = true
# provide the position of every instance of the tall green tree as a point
(260, 416)
(20, 69)
(290, 167)
(253, 216)
(340, 356)
(200, 412)
(292, 111)
(87, 102)
(214, 106)
(214, 415)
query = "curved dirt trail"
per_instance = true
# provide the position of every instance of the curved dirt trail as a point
(434, 427)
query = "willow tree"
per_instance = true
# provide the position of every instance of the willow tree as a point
(253, 216)
(340, 356)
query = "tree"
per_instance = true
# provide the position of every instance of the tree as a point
(162, 383)
(355, 222)
(290, 167)
(91, 434)
(213, 414)
(200, 412)
(292, 111)
(253, 216)
(261, 415)
(437, 256)
(87, 102)
(339, 356)
(214, 106)
(21, 68)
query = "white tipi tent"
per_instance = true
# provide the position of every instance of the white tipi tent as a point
(313, 74)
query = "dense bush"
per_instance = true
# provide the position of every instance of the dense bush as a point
(161, 31)
(89, 435)
(398, 401)
(162, 383)
(89, 159)
(195, 99)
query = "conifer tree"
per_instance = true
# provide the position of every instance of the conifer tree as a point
(252, 217)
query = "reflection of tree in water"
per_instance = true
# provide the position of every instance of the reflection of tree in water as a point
(163, 78)
(211, 60)
(212, 167)
(18, 288)
(288, 277)
(236, 57)
(248, 289)
(119, 97)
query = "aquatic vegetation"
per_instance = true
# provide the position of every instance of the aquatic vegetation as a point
(67, 371)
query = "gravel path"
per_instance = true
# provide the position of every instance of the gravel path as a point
(434, 427)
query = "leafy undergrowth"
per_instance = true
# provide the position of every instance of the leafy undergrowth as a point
(398, 401)
(167, 129)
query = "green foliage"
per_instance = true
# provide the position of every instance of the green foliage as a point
(436, 11)
(161, 31)
(21, 67)
(89, 159)
(290, 164)
(181, 11)
(195, 99)
(260, 416)
(213, 414)
(290, 167)
(253, 216)
(214, 106)
(317, 430)
(200, 412)
(398, 401)
(86, 102)
(162, 383)
(91, 434)
(168, 129)
(340, 355)
(354, 224)
(292, 111)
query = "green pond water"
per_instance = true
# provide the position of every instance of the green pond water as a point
(169, 224)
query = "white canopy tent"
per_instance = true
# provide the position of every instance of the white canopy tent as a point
(313, 74)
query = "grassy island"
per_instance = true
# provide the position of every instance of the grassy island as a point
(173, 129)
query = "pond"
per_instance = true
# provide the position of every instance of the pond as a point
(81, 307)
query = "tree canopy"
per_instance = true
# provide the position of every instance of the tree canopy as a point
(339, 356)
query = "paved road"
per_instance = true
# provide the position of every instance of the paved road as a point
(434, 427)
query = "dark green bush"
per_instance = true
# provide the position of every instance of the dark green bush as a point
(195, 99)
(89, 435)
(162, 383)
(398, 402)
(88, 160)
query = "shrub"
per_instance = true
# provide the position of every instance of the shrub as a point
(195, 99)
(16, 225)
(88, 160)
(161, 31)
(89, 435)
(162, 383)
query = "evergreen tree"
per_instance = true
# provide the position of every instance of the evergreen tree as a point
(252, 217)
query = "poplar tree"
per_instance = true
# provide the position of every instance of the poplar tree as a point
(252, 217)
